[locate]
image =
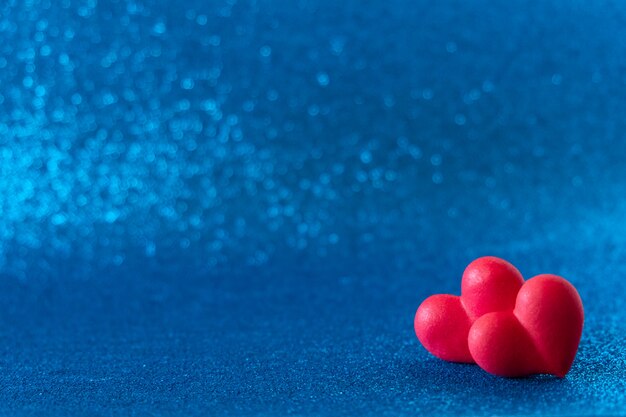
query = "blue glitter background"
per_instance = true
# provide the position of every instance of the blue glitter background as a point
(234, 208)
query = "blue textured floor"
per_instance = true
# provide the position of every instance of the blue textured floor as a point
(234, 208)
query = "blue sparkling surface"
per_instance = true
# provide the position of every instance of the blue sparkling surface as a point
(235, 207)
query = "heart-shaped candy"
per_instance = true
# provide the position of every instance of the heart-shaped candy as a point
(507, 326)
(443, 321)
(539, 336)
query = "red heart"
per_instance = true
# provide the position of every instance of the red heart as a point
(443, 321)
(539, 336)
(508, 327)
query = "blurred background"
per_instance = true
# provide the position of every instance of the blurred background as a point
(235, 207)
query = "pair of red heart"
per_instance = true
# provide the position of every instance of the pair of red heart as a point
(507, 326)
